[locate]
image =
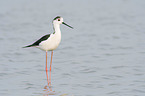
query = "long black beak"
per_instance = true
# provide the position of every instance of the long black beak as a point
(67, 25)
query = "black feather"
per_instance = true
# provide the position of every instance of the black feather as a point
(39, 41)
(57, 17)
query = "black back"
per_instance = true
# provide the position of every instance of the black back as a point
(39, 41)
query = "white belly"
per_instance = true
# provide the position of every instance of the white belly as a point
(51, 43)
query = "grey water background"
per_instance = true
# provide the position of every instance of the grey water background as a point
(104, 55)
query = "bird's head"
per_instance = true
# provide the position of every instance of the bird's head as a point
(59, 20)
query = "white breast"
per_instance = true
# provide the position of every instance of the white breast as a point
(51, 43)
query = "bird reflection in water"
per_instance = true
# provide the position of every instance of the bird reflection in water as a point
(48, 91)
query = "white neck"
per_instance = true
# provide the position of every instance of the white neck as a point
(56, 28)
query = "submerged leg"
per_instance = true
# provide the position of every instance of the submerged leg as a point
(50, 66)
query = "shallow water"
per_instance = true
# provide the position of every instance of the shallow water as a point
(103, 55)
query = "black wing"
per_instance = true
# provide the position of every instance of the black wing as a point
(39, 41)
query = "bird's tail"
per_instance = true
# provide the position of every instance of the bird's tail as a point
(27, 46)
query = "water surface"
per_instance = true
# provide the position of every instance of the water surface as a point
(103, 55)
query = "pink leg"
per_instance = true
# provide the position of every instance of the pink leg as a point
(50, 67)
(47, 70)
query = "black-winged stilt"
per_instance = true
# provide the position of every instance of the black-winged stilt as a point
(50, 42)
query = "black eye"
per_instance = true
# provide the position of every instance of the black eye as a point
(58, 19)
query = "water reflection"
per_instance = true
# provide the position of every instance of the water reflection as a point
(48, 91)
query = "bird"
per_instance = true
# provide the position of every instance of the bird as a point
(50, 42)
